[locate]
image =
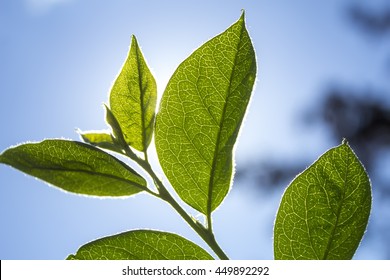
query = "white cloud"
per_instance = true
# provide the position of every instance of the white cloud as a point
(42, 6)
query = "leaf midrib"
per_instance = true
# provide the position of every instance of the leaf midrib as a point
(144, 144)
(221, 125)
(92, 173)
(331, 236)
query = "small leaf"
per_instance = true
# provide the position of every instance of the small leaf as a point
(324, 211)
(75, 167)
(133, 99)
(96, 138)
(200, 116)
(141, 245)
(100, 139)
(116, 129)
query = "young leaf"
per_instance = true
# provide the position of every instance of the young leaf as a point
(201, 112)
(100, 139)
(141, 245)
(133, 99)
(116, 129)
(96, 138)
(324, 211)
(75, 167)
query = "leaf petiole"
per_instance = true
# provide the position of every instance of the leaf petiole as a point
(205, 233)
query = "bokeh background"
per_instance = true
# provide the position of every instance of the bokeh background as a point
(323, 74)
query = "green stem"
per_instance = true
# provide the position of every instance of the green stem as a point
(209, 222)
(205, 233)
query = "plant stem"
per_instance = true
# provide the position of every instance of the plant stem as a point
(205, 233)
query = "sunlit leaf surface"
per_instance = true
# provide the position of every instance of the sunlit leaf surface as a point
(75, 167)
(141, 245)
(200, 116)
(324, 211)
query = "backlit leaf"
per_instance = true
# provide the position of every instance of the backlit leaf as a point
(100, 139)
(116, 129)
(200, 116)
(133, 99)
(141, 245)
(75, 167)
(324, 211)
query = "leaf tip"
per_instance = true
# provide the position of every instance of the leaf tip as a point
(242, 17)
(79, 131)
(81, 134)
(133, 39)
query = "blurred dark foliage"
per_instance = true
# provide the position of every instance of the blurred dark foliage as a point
(370, 21)
(267, 174)
(363, 120)
(361, 116)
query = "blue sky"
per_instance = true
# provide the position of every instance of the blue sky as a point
(60, 57)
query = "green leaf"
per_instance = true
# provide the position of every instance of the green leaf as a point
(118, 139)
(75, 167)
(324, 211)
(96, 138)
(141, 245)
(100, 139)
(133, 99)
(200, 115)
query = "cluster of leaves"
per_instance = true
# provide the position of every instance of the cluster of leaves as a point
(323, 213)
